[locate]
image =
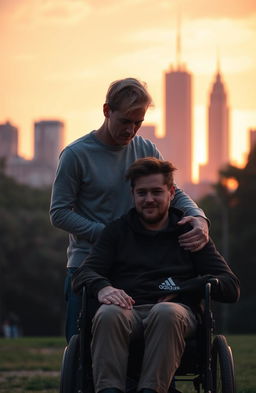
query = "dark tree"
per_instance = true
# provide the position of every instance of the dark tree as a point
(237, 209)
(32, 260)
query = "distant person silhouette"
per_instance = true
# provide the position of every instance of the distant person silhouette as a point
(11, 326)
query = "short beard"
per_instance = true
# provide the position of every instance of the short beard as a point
(153, 220)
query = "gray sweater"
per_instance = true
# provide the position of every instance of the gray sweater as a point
(90, 190)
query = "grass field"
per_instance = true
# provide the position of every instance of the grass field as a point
(32, 365)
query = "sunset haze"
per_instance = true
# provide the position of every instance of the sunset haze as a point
(59, 56)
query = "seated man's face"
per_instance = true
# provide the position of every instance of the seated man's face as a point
(152, 200)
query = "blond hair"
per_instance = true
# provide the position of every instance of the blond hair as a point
(128, 94)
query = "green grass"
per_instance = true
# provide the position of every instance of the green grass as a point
(31, 354)
(244, 353)
(32, 365)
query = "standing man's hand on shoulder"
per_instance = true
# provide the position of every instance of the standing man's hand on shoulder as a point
(111, 295)
(197, 237)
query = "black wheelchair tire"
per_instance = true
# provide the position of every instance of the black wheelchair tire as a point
(223, 379)
(69, 368)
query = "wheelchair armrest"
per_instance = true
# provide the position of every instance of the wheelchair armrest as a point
(212, 282)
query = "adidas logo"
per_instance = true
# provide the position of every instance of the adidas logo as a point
(169, 285)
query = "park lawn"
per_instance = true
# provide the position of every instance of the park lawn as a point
(32, 365)
(244, 353)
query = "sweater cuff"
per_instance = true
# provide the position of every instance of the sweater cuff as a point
(98, 228)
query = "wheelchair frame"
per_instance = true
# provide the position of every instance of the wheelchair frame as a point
(212, 369)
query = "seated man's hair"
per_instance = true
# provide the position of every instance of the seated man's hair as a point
(128, 94)
(150, 166)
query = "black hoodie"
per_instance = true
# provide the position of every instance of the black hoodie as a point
(149, 265)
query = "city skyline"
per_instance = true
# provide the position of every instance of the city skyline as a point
(39, 170)
(52, 68)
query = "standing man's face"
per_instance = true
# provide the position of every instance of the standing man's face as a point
(122, 126)
(152, 200)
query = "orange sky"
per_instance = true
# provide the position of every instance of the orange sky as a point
(59, 56)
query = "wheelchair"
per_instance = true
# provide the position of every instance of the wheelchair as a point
(207, 362)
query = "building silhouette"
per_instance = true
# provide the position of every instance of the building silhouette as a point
(178, 122)
(252, 139)
(148, 131)
(177, 144)
(218, 131)
(48, 142)
(8, 140)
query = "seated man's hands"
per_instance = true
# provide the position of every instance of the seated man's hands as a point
(197, 237)
(111, 295)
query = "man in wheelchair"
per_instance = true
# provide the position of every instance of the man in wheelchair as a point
(144, 279)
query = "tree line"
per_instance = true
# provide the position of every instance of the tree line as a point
(32, 260)
(232, 213)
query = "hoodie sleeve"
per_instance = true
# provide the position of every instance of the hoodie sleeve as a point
(95, 269)
(209, 263)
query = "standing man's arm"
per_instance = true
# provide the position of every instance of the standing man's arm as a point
(183, 202)
(198, 237)
(64, 198)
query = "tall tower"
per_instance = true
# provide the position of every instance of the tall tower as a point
(49, 141)
(218, 131)
(178, 118)
(252, 139)
(8, 140)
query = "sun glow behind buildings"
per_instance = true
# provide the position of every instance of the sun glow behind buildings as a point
(60, 56)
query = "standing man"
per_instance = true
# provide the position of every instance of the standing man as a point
(90, 190)
(146, 281)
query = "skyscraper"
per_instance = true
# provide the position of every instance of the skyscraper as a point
(178, 117)
(178, 122)
(252, 139)
(48, 143)
(218, 131)
(148, 131)
(8, 140)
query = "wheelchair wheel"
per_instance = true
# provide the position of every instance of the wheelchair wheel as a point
(222, 366)
(69, 368)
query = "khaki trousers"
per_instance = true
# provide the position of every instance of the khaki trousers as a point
(165, 327)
